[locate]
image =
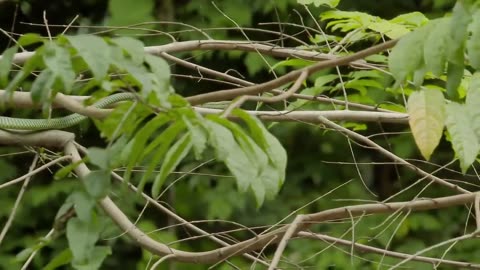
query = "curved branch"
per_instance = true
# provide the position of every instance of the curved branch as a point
(291, 76)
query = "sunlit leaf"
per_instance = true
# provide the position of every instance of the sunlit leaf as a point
(317, 3)
(426, 113)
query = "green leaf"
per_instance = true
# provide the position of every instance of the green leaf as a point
(257, 157)
(5, 64)
(29, 39)
(57, 59)
(94, 51)
(95, 260)
(463, 138)
(174, 156)
(65, 171)
(472, 103)
(405, 57)
(133, 47)
(460, 19)
(234, 157)
(435, 47)
(97, 183)
(99, 157)
(82, 237)
(41, 87)
(140, 140)
(426, 111)
(161, 144)
(454, 78)
(198, 136)
(83, 205)
(160, 68)
(415, 18)
(317, 3)
(31, 64)
(473, 43)
(269, 143)
(61, 259)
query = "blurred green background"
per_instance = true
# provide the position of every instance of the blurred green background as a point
(319, 160)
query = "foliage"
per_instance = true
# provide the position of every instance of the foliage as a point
(428, 65)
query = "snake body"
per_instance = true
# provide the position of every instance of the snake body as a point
(61, 122)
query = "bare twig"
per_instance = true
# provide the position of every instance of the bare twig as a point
(390, 155)
(17, 201)
(33, 172)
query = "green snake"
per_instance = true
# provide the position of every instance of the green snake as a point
(75, 119)
(61, 122)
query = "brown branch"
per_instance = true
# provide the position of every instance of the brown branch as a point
(23, 100)
(270, 85)
(184, 46)
(242, 82)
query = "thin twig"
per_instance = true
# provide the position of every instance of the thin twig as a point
(17, 201)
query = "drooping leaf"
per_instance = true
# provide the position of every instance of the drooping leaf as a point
(160, 76)
(473, 103)
(253, 151)
(406, 57)
(98, 156)
(61, 259)
(83, 204)
(174, 156)
(463, 138)
(460, 19)
(57, 59)
(269, 143)
(161, 145)
(97, 183)
(198, 135)
(473, 43)
(426, 111)
(31, 64)
(454, 78)
(228, 151)
(5, 64)
(140, 140)
(82, 237)
(435, 47)
(94, 262)
(132, 47)
(94, 51)
(41, 86)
